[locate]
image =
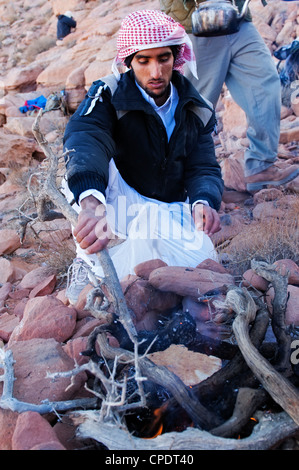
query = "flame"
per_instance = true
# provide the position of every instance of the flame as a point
(158, 432)
(157, 417)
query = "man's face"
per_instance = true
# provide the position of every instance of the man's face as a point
(153, 71)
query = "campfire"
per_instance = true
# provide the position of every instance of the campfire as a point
(250, 400)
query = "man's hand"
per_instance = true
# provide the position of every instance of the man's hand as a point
(206, 219)
(92, 231)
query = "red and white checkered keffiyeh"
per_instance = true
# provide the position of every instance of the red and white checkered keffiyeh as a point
(148, 29)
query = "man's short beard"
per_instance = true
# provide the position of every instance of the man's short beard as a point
(166, 92)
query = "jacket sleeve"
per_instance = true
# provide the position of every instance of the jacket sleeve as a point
(88, 142)
(202, 171)
(70, 22)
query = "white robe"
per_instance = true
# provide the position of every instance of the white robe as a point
(150, 229)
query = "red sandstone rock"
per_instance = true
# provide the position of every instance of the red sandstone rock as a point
(74, 347)
(6, 271)
(5, 290)
(188, 281)
(142, 297)
(45, 287)
(9, 241)
(33, 432)
(144, 269)
(8, 322)
(45, 317)
(8, 420)
(213, 266)
(85, 326)
(289, 265)
(34, 360)
(251, 279)
(35, 277)
(292, 310)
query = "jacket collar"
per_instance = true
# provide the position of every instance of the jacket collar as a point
(128, 96)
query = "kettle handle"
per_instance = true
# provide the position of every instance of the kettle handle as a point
(244, 9)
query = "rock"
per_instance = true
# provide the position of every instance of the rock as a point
(75, 79)
(33, 432)
(267, 209)
(9, 188)
(20, 307)
(142, 297)
(233, 172)
(289, 265)
(34, 359)
(144, 269)
(269, 194)
(45, 317)
(198, 310)
(8, 322)
(188, 281)
(66, 432)
(5, 290)
(35, 277)
(9, 241)
(85, 326)
(191, 367)
(45, 287)
(289, 130)
(74, 347)
(8, 420)
(234, 116)
(212, 265)
(251, 279)
(149, 321)
(22, 79)
(15, 148)
(230, 227)
(292, 310)
(19, 294)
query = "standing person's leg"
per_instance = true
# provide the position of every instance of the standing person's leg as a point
(254, 84)
(212, 61)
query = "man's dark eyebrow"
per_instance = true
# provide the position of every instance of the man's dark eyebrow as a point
(140, 55)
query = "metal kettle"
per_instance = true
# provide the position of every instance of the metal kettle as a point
(217, 18)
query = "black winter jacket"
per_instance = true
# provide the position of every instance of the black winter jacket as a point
(64, 26)
(125, 127)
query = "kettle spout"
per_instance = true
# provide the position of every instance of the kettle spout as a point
(244, 9)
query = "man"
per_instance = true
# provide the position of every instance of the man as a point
(65, 25)
(140, 148)
(243, 62)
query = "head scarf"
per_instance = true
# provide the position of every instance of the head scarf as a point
(148, 29)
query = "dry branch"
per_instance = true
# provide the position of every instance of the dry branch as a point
(8, 402)
(108, 429)
(162, 376)
(279, 304)
(280, 389)
(248, 401)
(49, 191)
(268, 433)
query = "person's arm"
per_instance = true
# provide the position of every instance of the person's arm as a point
(203, 173)
(92, 231)
(70, 22)
(206, 218)
(89, 144)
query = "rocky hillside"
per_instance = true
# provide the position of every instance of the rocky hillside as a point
(43, 331)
